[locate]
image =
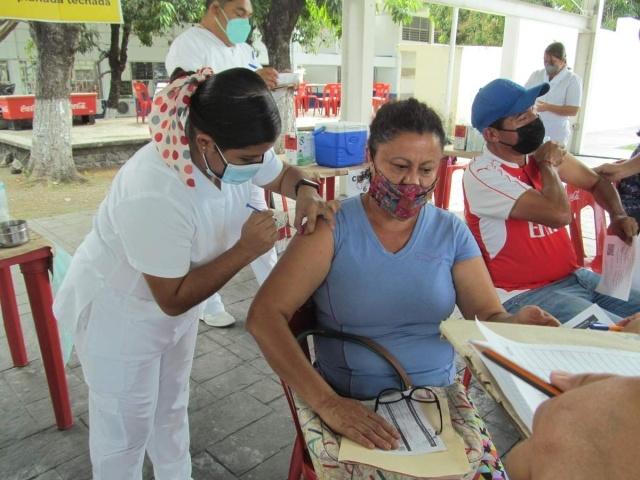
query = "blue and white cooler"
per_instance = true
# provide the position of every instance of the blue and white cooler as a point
(340, 144)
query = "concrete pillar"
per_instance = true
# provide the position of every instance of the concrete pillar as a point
(358, 19)
(510, 42)
(584, 64)
(450, 70)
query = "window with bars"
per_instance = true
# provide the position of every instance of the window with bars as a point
(417, 30)
(148, 71)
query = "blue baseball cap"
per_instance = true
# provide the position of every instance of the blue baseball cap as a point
(502, 98)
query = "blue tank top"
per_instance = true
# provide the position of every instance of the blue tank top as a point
(397, 299)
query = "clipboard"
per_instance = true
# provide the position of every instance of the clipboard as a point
(460, 332)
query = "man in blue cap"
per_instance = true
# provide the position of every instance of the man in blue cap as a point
(517, 208)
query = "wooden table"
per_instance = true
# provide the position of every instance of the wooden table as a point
(35, 259)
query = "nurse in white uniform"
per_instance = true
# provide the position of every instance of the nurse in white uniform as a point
(563, 99)
(159, 247)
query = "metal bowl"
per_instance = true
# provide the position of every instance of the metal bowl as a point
(13, 233)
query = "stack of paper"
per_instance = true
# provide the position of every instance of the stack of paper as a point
(542, 359)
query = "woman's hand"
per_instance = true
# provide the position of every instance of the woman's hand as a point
(532, 315)
(630, 324)
(614, 172)
(352, 419)
(258, 233)
(311, 205)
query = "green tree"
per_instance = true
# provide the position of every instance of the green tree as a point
(310, 22)
(146, 19)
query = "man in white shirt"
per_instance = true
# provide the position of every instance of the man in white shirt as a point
(219, 42)
(563, 99)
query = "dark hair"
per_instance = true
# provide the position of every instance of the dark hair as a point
(404, 116)
(556, 49)
(235, 108)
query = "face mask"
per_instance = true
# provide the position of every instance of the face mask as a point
(237, 30)
(530, 137)
(401, 201)
(233, 174)
(551, 69)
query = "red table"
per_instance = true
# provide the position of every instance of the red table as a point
(16, 108)
(34, 259)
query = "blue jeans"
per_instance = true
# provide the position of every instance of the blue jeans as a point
(566, 298)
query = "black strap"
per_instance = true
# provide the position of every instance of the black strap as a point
(365, 342)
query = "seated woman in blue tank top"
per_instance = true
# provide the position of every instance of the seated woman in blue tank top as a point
(392, 270)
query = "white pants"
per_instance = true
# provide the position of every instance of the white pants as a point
(137, 369)
(261, 266)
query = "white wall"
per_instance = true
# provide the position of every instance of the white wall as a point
(524, 43)
(478, 66)
(615, 98)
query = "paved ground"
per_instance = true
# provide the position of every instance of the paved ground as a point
(240, 423)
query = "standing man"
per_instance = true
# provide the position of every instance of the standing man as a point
(517, 208)
(562, 101)
(219, 42)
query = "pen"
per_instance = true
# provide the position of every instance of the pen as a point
(605, 327)
(253, 208)
(253, 66)
(523, 374)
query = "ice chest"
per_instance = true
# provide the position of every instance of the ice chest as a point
(340, 144)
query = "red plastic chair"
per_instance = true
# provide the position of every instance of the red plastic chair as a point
(442, 192)
(268, 197)
(143, 101)
(301, 465)
(579, 199)
(302, 97)
(330, 100)
(381, 92)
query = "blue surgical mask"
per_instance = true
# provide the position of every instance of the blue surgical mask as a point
(237, 30)
(233, 174)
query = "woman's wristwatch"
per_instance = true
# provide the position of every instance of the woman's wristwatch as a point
(307, 182)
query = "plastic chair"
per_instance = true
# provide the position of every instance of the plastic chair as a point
(579, 199)
(330, 100)
(143, 101)
(301, 99)
(268, 197)
(442, 192)
(301, 465)
(381, 92)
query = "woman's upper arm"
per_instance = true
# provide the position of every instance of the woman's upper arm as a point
(475, 293)
(297, 275)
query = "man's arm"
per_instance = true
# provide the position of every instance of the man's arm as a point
(550, 205)
(562, 110)
(576, 173)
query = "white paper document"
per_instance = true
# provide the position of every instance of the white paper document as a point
(417, 435)
(618, 268)
(589, 316)
(542, 359)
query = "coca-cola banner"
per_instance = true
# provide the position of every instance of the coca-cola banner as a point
(64, 11)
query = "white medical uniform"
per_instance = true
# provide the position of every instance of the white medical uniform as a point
(196, 48)
(566, 90)
(136, 360)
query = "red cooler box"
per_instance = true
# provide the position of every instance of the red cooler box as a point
(21, 107)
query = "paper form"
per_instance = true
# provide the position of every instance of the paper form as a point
(618, 267)
(542, 359)
(589, 316)
(417, 435)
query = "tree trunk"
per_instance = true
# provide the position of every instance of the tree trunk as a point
(51, 156)
(117, 62)
(277, 29)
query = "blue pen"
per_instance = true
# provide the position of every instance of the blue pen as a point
(253, 208)
(604, 327)
(254, 67)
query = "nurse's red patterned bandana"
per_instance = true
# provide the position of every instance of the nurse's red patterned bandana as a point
(167, 123)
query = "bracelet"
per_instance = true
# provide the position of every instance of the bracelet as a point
(308, 183)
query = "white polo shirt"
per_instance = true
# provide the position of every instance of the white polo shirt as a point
(197, 47)
(566, 89)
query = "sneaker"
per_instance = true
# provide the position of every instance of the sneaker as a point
(222, 319)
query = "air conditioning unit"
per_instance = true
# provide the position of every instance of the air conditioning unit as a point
(126, 107)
